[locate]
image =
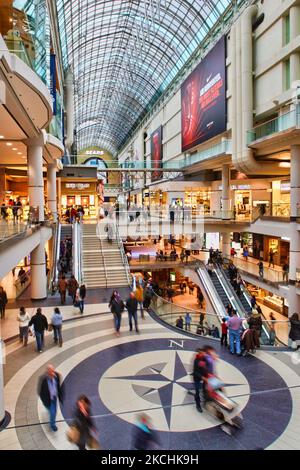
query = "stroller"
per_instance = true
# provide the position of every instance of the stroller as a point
(221, 407)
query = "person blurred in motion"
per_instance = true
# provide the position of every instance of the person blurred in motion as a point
(247, 341)
(224, 329)
(51, 389)
(139, 295)
(215, 332)
(3, 302)
(132, 306)
(62, 289)
(294, 333)
(81, 296)
(144, 437)
(23, 319)
(84, 423)
(199, 371)
(116, 306)
(234, 326)
(72, 287)
(56, 322)
(40, 325)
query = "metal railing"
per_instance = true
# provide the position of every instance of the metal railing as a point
(211, 291)
(22, 283)
(123, 255)
(278, 124)
(98, 231)
(77, 252)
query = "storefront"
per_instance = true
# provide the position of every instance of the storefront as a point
(242, 201)
(75, 194)
(268, 299)
(280, 248)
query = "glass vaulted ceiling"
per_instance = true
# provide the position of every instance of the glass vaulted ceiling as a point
(125, 53)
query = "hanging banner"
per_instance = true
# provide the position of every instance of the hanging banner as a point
(203, 99)
(156, 153)
(53, 81)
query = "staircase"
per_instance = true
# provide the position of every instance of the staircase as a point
(102, 264)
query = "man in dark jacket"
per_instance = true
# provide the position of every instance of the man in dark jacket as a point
(3, 302)
(40, 324)
(132, 306)
(50, 389)
(199, 372)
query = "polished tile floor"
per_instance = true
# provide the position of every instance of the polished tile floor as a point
(149, 372)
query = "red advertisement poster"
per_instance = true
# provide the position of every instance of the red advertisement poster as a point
(203, 99)
(156, 153)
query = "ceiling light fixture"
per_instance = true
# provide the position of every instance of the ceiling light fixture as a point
(9, 144)
(1, 136)
(15, 148)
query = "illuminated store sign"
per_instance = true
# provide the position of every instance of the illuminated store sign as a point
(77, 185)
(94, 152)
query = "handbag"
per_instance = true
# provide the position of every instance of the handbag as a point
(73, 434)
(50, 327)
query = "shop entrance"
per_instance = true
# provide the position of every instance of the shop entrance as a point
(242, 203)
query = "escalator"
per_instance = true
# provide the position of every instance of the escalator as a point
(61, 232)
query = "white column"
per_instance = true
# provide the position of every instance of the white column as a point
(69, 94)
(51, 189)
(226, 244)
(2, 406)
(294, 32)
(294, 261)
(38, 273)
(35, 149)
(226, 192)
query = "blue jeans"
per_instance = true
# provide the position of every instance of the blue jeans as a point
(39, 337)
(57, 333)
(134, 316)
(81, 305)
(117, 319)
(234, 336)
(52, 412)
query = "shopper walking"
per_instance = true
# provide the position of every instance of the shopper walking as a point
(62, 289)
(51, 389)
(132, 306)
(261, 269)
(271, 258)
(188, 321)
(116, 306)
(199, 372)
(234, 326)
(56, 322)
(81, 297)
(84, 424)
(40, 325)
(255, 324)
(72, 287)
(285, 272)
(3, 302)
(23, 319)
(224, 328)
(144, 438)
(139, 295)
(294, 333)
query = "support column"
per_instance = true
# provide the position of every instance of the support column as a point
(35, 149)
(226, 244)
(2, 408)
(38, 273)
(51, 190)
(294, 261)
(226, 192)
(69, 101)
(294, 32)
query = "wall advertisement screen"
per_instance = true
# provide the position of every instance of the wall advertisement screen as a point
(156, 153)
(203, 99)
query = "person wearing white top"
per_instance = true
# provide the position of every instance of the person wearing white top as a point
(23, 319)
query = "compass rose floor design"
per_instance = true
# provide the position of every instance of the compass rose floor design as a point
(149, 372)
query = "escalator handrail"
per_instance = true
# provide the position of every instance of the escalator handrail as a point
(211, 292)
(237, 305)
(55, 257)
(77, 250)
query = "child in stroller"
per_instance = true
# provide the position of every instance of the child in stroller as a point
(219, 405)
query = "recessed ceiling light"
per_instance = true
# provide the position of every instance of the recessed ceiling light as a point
(1, 136)
(19, 153)
(15, 148)
(9, 144)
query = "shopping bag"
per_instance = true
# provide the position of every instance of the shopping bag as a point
(50, 327)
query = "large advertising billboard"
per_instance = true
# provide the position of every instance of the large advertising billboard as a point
(203, 99)
(156, 153)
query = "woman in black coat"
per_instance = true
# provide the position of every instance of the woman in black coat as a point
(84, 423)
(294, 334)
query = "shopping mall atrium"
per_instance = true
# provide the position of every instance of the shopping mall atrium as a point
(150, 224)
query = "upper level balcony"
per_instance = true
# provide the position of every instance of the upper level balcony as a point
(273, 131)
